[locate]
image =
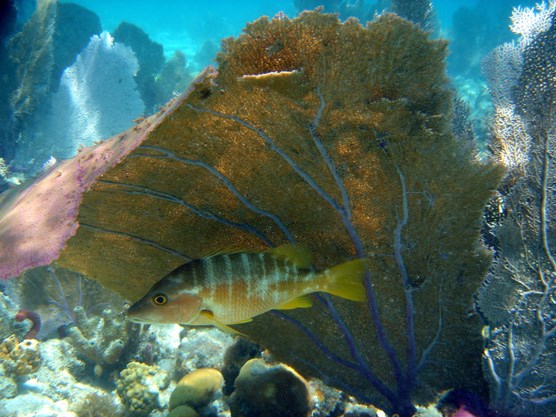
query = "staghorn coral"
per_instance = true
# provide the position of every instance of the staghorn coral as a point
(328, 134)
(517, 299)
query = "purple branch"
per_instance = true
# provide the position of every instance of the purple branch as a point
(224, 180)
(363, 370)
(409, 306)
(140, 190)
(345, 215)
(139, 239)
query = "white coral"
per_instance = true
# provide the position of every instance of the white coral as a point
(529, 22)
(97, 98)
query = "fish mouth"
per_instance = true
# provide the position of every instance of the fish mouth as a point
(132, 317)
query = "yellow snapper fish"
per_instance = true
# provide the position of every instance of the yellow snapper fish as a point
(232, 288)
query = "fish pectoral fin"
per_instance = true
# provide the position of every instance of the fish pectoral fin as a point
(303, 301)
(209, 315)
(243, 321)
(299, 255)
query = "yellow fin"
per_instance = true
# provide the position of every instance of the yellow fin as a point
(346, 280)
(209, 315)
(303, 301)
(299, 255)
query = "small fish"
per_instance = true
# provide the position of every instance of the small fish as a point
(232, 288)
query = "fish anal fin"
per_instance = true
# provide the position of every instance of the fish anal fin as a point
(209, 316)
(346, 280)
(299, 255)
(303, 301)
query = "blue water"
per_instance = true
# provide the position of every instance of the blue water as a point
(187, 24)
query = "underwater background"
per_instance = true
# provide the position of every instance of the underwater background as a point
(412, 137)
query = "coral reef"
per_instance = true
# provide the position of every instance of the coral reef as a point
(65, 29)
(197, 389)
(215, 344)
(35, 242)
(173, 78)
(97, 98)
(19, 358)
(139, 387)
(101, 339)
(34, 318)
(517, 299)
(8, 324)
(345, 142)
(234, 358)
(272, 391)
(53, 292)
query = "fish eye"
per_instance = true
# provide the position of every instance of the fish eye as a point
(160, 299)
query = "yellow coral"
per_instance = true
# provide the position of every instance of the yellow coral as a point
(139, 386)
(20, 358)
(196, 389)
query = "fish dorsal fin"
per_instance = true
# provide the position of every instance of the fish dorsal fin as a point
(303, 301)
(299, 255)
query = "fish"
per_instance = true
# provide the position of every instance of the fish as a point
(231, 288)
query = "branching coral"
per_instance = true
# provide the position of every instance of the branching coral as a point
(518, 298)
(101, 339)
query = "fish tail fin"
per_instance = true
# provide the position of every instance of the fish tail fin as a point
(346, 280)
